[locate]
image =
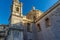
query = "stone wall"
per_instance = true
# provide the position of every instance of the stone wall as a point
(52, 32)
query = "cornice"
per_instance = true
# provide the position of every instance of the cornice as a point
(49, 10)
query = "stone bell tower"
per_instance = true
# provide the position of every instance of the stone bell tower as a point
(16, 12)
(17, 8)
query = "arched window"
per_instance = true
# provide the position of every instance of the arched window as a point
(47, 22)
(17, 9)
(38, 27)
(34, 17)
(28, 27)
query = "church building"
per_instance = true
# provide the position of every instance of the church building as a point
(36, 25)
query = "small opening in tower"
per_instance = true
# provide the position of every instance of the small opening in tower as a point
(17, 9)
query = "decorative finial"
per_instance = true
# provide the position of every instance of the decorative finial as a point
(33, 8)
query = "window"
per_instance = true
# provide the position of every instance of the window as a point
(34, 17)
(28, 27)
(38, 27)
(47, 22)
(17, 9)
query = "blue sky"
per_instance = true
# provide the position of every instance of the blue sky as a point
(5, 5)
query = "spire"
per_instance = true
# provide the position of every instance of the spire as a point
(33, 8)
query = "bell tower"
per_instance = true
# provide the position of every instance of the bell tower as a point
(16, 12)
(17, 8)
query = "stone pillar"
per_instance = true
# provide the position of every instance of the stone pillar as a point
(25, 32)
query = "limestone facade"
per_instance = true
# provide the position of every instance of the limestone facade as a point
(36, 25)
